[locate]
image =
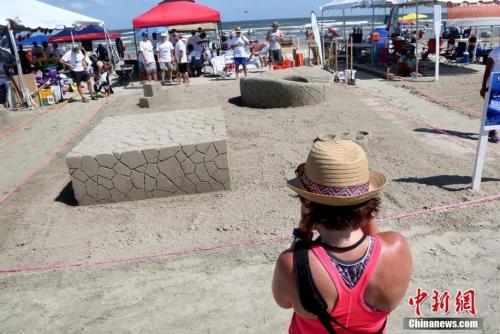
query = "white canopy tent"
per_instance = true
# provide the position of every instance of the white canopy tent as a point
(33, 14)
(343, 4)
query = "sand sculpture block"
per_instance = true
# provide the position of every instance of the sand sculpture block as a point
(146, 102)
(151, 89)
(294, 87)
(151, 155)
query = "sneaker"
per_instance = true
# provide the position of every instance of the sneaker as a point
(493, 137)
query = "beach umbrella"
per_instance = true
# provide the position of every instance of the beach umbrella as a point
(411, 17)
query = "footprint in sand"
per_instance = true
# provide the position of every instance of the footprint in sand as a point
(360, 137)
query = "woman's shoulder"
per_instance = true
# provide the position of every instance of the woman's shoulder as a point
(394, 241)
(393, 270)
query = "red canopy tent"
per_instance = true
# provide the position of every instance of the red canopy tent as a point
(176, 12)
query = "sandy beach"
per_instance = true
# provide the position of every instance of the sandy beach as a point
(203, 263)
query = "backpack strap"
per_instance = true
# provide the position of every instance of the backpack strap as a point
(310, 297)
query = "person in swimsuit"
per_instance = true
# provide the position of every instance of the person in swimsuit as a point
(362, 274)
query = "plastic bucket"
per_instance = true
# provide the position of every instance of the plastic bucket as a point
(56, 90)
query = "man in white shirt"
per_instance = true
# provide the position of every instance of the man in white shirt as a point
(238, 43)
(181, 58)
(165, 51)
(147, 52)
(274, 36)
(75, 60)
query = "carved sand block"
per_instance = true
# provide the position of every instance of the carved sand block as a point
(151, 91)
(294, 87)
(151, 155)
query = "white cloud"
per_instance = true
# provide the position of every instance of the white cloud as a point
(77, 5)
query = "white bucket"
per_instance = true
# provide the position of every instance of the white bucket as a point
(56, 91)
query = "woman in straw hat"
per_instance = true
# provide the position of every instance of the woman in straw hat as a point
(361, 274)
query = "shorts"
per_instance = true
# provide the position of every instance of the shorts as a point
(80, 76)
(183, 67)
(166, 66)
(275, 56)
(240, 61)
(150, 68)
(264, 52)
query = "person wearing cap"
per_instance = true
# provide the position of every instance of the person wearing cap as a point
(274, 36)
(75, 60)
(238, 43)
(181, 58)
(165, 51)
(360, 273)
(146, 50)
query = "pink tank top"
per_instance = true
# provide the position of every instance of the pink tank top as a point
(350, 310)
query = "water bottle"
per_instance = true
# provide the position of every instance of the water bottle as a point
(466, 57)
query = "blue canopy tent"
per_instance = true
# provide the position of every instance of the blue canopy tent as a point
(29, 41)
(88, 33)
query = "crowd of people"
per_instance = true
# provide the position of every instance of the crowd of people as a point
(80, 63)
(90, 67)
(159, 57)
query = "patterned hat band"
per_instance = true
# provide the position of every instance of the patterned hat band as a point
(332, 191)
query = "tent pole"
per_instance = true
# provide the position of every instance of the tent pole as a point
(476, 31)
(322, 41)
(437, 33)
(135, 45)
(109, 48)
(373, 19)
(343, 18)
(25, 92)
(219, 25)
(416, 47)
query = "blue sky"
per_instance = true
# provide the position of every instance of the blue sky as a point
(118, 14)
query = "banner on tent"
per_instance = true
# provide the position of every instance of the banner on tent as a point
(477, 14)
(490, 120)
(317, 36)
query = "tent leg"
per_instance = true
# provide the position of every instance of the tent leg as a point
(219, 25)
(416, 47)
(373, 19)
(343, 18)
(437, 33)
(25, 92)
(135, 44)
(322, 41)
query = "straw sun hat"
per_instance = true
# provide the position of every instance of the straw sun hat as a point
(336, 173)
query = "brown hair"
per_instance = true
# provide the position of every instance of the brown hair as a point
(338, 217)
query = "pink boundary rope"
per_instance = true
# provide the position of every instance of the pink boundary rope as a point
(51, 156)
(189, 251)
(419, 120)
(204, 249)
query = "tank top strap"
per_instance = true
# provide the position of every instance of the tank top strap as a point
(324, 259)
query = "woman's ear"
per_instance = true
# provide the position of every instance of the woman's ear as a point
(306, 203)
